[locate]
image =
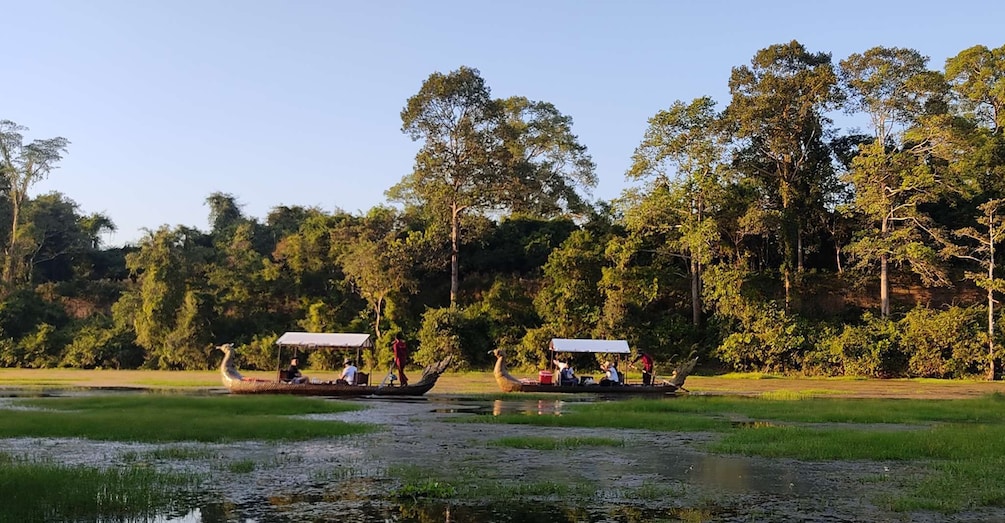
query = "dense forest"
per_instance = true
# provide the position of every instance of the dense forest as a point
(755, 233)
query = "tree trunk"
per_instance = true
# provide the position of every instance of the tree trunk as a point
(884, 288)
(991, 302)
(799, 250)
(696, 318)
(884, 278)
(455, 225)
(376, 325)
(8, 266)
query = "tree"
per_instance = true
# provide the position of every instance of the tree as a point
(894, 88)
(224, 212)
(978, 76)
(377, 259)
(777, 109)
(479, 154)
(21, 167)
(56, 239)
(984, 254)
(681, 159)
(569, 298)
(168, 308)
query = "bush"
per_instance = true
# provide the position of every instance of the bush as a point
(944, 344)
(770, 341)
(461, 334)
(871, 349)
(99, 343)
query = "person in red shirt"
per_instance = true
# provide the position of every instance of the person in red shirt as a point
(647, 367)
(400, 358)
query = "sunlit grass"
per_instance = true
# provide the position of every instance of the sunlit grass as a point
(961, 441)
(547, 443)
(41, 491)
(164, 418)
(471, 483)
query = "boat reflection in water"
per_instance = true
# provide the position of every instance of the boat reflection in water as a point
(530, 408)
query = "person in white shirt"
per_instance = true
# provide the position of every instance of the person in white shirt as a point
(612, 377)
(349, 373)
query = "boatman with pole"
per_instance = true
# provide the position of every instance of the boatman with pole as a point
(400, 358)
(647, 367)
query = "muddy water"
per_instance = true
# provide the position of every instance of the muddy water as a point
(652, 477)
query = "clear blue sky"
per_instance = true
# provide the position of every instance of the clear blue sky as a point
(297, 102)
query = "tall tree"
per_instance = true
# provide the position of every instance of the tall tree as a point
(378, 258)
(168, 306)
(484, 155)
(992, 233)
(893, 87)
(777, 107)
(978, 76)
(21, 166)
(681, 159)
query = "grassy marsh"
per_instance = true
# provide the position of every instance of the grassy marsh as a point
(168, 418)
(547, 443)
(961, 443)
(41, 491)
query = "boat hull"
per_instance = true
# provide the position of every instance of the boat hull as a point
(252, 386)
(590, 389)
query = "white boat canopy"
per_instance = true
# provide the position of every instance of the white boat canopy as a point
(587, 345)
(337, 340)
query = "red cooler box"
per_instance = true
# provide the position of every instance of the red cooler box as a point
(544, 377)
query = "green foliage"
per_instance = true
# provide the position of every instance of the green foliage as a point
(22, 311)
(570, 299)
(461, 334)
(944, 344)
(733, 211)
(869, 349)
(508, 308)
(925, 343)
(533, 348)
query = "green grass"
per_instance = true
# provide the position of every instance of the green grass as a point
(244, 466)
(170, 454)
(169, 418)
(41, 492)
(546, 443)
(477, 483)
(960, 442)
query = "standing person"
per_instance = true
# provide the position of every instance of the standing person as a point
(647, 367)
(400, 358)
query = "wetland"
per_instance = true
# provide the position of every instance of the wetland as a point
(201, 456)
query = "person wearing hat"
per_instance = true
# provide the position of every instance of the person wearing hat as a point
(348, 376)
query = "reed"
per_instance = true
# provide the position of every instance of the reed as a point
(42, 491)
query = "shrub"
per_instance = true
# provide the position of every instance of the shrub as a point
(944, 344)
(461, 334)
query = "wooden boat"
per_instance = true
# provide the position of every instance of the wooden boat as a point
(238, 384)
(509, 383)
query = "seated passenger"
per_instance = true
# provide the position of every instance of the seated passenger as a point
(348, 376)
(612, 377)
(566, 376)
(293, 374)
